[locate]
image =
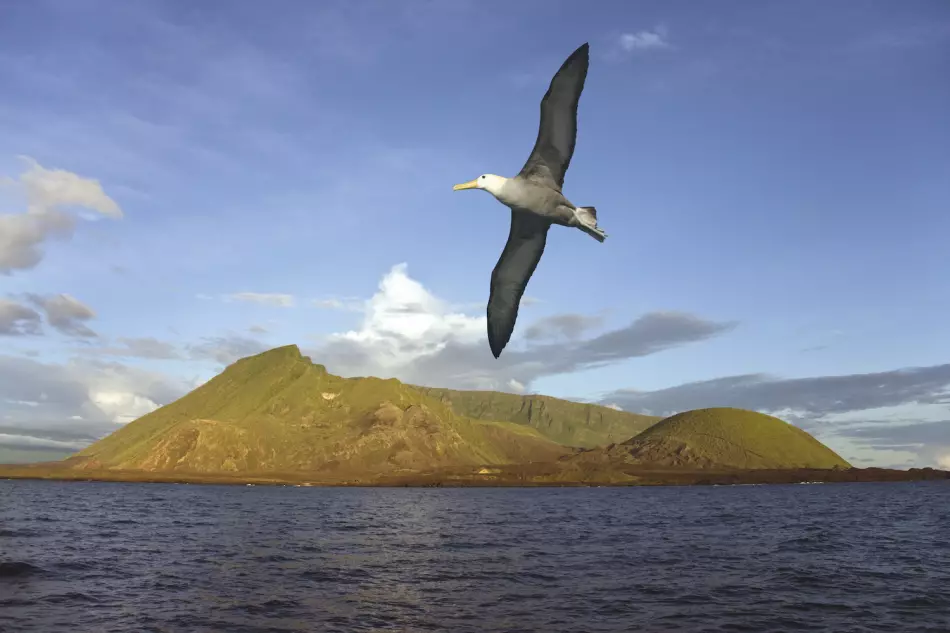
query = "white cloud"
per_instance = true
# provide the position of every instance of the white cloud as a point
(404, 322)
(943, 460)
(50, 188)
(47, 193)
(644, 40)
(122, 407)
(516, 386)
(264, 298)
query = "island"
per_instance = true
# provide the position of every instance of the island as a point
(279, 418)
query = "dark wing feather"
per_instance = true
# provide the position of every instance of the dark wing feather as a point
(557, 131)
(522, 253)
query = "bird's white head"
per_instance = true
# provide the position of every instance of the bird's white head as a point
(489, 182)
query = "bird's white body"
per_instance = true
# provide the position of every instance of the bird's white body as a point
(550, 204)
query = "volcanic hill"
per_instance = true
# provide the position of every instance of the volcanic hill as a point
(277, 412)
(716, 439)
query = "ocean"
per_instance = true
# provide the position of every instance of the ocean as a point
(103, 557)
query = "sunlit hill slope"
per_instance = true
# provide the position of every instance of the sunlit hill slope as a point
(565, 422)
(717, 438)
(278, 412)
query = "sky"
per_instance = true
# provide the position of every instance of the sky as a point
(184, 184)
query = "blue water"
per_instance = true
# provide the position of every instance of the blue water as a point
(103, 557)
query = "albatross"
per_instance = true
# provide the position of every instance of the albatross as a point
(535, 199)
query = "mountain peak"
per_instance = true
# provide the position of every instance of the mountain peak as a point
(284, 351)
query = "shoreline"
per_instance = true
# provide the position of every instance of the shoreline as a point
(514, 477)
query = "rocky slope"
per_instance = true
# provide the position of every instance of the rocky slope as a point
(278, 412)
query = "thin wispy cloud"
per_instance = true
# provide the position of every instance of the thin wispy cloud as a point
(904, 37)
(348, 304)
(279, 300)
(568, 326)
(138, 347)
(224, 350)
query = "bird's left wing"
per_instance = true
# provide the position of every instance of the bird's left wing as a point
(522, 253)
(557, 131)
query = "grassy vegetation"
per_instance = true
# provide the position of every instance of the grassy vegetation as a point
(278, 412)
(733, 438)
(565, 422)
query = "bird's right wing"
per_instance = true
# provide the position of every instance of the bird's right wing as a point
(522, 253)
(557, 131)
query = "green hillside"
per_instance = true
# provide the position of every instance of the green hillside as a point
(732, 438)
(278, 412)
(565, 422)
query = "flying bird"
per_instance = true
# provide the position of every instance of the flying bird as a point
(535, 199)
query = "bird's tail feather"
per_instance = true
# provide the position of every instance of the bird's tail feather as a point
(588, 223)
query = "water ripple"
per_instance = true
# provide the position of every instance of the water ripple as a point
(130, 557)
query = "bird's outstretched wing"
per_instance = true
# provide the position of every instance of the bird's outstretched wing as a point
(522, 253)
(557, 131)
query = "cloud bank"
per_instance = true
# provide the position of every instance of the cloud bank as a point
(410, 334)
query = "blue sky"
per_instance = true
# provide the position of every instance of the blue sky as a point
(774, 179)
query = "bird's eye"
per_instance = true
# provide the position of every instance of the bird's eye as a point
(483, 178)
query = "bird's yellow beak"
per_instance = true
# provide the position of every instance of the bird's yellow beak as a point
(471, 184)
